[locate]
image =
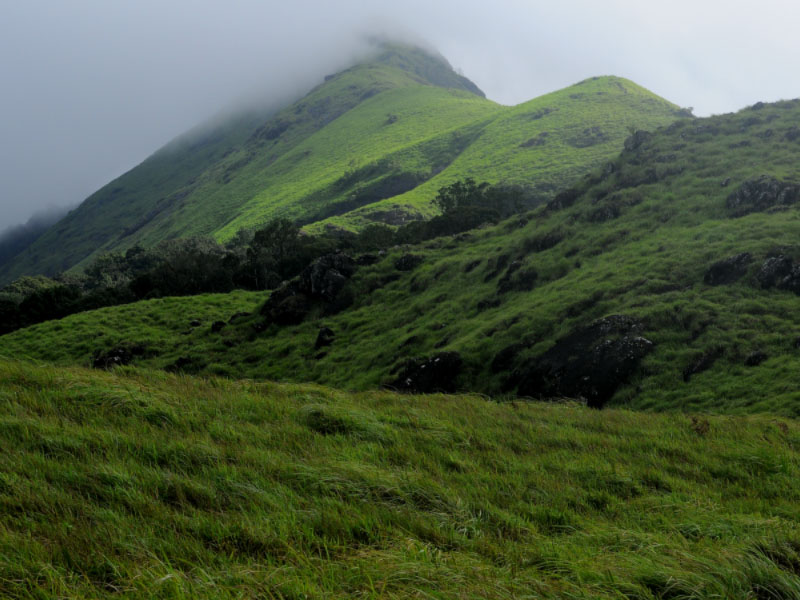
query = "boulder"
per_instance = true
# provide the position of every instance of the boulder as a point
(326, 276)
(429, 375)
(791, 282)
(761, 194)
(589, 363)
(322, 281)
(325, 338)
(287, 305)
(117, 356)
(218, 326)
(728, 270)
(774, 270)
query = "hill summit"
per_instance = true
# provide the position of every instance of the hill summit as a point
(370, 144)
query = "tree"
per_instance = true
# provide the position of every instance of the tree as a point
(460, 195)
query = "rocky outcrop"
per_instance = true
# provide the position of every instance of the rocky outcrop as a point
(326, 276)
(321, 283)
(429, 375)
(589, 363)
(116, 357)
(761, 194)
(728, 270)
(774, 270)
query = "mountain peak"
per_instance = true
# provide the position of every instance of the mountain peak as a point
(424, 64)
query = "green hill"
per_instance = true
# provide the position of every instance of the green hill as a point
(690, 234)
(372, 143)
(139, 484)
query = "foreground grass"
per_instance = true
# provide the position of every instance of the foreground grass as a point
(142, 484)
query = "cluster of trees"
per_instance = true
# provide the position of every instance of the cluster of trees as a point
(253, 260)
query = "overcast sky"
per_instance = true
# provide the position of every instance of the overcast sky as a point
(89, 88)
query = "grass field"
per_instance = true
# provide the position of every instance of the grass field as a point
(667, 223)
(137, 483)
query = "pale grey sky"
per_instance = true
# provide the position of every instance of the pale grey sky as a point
(89, 88)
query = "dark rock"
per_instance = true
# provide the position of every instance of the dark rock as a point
(408, 262)
(761, 194)
(322, 281)
(755, 358)
(635, 141)
(729, 270)
(325, 338)
(701, 363)
(118, 356)
(287, 305)
(217, 326)
(326, 276)
(429, 375)
(774, 270)
(590, 363)
(195, 323)
(791, 282)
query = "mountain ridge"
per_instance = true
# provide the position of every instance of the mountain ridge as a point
(391, 117)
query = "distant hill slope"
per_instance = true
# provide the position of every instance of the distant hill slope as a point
(372, 143)
(140, 484)
(691, 234)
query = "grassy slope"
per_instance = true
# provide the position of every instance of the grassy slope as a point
(612, 105)
(649, 262)
(406, 113)
(146, 485)
(130, 199)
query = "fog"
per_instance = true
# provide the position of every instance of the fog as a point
(90, 87)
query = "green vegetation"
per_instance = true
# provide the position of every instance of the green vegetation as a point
(636, 237)
(140, 484)
(372, 144)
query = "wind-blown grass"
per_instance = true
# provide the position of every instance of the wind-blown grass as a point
(138, 483)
